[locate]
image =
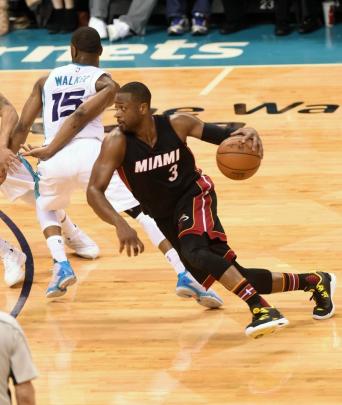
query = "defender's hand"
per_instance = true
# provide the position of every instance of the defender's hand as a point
(8, 160)
(128, 238)
(250, 133)
(39, 152)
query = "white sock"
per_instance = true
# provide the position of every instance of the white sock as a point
(56, 245)
(68, 227)
(173, 258)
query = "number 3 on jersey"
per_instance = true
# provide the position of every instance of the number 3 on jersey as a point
(69, 98)
(174, 173)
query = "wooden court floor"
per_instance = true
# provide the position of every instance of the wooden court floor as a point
(122, 337)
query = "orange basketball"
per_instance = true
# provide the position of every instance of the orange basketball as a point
(237, 160)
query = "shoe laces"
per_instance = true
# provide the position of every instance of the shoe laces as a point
(261, 313)
(319, 294)
(77, 240)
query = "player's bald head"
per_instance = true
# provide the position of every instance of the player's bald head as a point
(139, 92)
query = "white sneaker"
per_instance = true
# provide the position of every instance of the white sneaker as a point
(82, 245)
(100, 26)
(118, 30)
(13, 261)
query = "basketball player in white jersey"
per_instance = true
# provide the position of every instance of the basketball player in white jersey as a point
(77, 141)
(18, 183)
(58, 95)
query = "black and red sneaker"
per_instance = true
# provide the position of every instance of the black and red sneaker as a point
(265, 320)
(322, 293)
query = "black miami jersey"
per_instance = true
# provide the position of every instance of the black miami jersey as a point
(159, 176)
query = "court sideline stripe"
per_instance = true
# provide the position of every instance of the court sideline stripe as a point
(216, 81)
(29, 265)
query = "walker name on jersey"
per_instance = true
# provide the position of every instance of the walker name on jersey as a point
(70, 80)
(154, 162)
(127, 54)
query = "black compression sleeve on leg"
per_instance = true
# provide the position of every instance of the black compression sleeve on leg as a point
(260, 279)
(215, 134)
(195, 250)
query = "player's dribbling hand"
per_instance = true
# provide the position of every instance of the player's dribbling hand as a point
(39, 152)
(128, 239)
(250, 133)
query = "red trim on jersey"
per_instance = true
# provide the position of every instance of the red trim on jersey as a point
(122, 174)
(202, 215)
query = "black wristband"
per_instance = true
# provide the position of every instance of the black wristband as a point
(215, 134)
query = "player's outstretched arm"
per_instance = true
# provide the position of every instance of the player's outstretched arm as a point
(9, 118)
(188, 125)
(110, 159)
(30, 112)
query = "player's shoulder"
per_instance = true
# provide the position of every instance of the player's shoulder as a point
(116, 132)
(41, 81)
(181, 119)
(114, 143)
(115, 136)
(182, 122)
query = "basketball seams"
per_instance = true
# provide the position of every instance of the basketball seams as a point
(238, 153)
(237, 161)
(239, 170)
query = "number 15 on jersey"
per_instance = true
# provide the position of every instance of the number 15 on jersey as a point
(71, 99)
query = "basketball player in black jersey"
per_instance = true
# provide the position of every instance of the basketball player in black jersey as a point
(152, 157)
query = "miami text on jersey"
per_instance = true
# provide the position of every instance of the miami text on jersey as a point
(154, 162)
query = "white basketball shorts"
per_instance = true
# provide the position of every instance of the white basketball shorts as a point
(70, 169)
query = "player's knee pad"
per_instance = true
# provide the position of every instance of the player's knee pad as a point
(47, 218)
(151, 228)
(194, 255)
(196, 250)
(261, 279)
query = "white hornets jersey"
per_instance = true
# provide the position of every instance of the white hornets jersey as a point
(66, 88)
